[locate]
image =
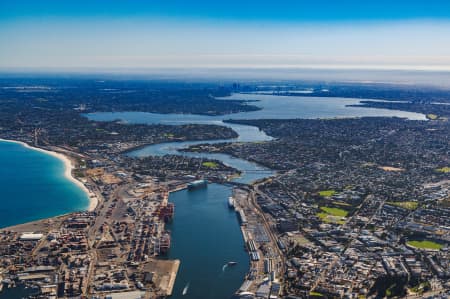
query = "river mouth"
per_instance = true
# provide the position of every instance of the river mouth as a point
(202, 218)
(205, 237)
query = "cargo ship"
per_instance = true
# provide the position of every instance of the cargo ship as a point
(197, 184)
(164, 242)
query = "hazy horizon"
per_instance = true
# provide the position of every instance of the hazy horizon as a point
(394, 77)
(405, 35)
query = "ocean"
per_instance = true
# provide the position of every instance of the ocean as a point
(33, 186)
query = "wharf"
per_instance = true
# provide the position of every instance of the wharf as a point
(168, 281)
(178, 188)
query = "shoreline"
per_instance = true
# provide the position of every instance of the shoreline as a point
(68, 167)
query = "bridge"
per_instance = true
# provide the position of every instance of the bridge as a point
(256, 171)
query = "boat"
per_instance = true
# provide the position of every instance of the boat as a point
(185, 289)
(197, 184)
(232, 263)
(231, 202)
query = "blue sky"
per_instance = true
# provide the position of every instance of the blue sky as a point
(244, 10)
(174, 33)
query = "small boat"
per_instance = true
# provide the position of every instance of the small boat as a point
(185, 289)
(232, 263)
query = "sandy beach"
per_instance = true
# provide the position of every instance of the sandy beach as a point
(68, 167)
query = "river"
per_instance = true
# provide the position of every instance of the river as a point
(273, 107)
(205, 236)
(205, 233)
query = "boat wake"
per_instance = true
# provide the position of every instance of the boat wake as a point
(224, 267)
(186, 288)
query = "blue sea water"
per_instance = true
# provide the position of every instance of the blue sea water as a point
(33, 186)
